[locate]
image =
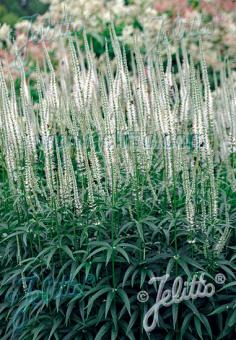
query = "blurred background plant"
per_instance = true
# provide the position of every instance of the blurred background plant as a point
(12, 11)
(214, 20)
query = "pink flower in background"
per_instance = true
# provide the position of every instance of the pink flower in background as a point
(182, 7)
(228, 5)
(177, 7)
(28, 47)
(214, 7)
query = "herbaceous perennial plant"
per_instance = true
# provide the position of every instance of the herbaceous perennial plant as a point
(114, 174)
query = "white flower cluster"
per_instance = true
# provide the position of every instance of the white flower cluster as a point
(74, 132)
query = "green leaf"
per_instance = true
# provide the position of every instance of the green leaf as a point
(170, 265)
(228, 285)
(175, 309)
(220, 309)
(67, 250)
(232, 320)
(102, 331)
(193, 308)
(110, 297)
(185, 324)
(95, 297)
(56, 322)
(207, 325)
(198, 327)
(185, 267)
(123, 253)
(140, 230)
(96, 251)
(228, 271)
(109, 253)
(124, 298)
(143, 278)
(114, 333)
(128, 272)
(132, 320)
